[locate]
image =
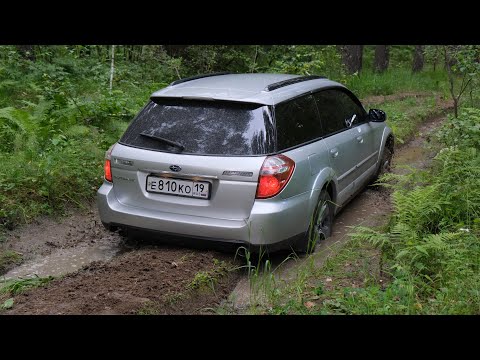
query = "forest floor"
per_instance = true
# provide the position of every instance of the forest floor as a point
(83, 269)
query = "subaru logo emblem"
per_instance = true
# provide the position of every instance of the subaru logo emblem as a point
(175, 168)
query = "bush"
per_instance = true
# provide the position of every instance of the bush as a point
(463, 131)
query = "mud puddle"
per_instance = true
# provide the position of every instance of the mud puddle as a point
(63, 261)
(417, 153)
(55, 248)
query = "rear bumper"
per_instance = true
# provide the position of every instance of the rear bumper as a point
(270, 222)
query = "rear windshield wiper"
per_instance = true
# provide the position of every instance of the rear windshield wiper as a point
(169, 142)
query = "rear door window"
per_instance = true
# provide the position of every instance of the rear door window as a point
(336, 107)
(297, 122)
(203, 127)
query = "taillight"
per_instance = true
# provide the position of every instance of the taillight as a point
(274, 175)
(107, 168)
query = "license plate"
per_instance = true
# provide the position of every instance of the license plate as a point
(179, 187)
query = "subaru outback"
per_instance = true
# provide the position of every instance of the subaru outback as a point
(252, 159)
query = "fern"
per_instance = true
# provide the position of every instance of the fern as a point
(376, 238)
(22, 128)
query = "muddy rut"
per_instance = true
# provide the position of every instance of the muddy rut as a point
(98, 272)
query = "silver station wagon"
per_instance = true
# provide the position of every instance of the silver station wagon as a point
(261, 160)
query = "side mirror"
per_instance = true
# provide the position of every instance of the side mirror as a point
(377, 115)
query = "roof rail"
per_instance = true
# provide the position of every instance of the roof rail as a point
(295, 80)
(176, 82)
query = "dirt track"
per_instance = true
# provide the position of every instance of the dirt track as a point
(148, 280)
(119, 277)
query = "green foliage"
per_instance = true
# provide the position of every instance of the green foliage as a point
(46, 163)
(67, 171)
(7, 304)
(15, 287)
(396, 79)
(58, 121)
(8, 258)
(208, 279)
(463, 131)
(461, 62)
(308, 60)
(433, 244)
(404, 115)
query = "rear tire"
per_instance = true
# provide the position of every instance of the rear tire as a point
(109, 227)
(321, 223)
(385, 164)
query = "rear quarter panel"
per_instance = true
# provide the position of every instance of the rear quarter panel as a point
(312, 172)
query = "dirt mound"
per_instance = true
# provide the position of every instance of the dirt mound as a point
(150, 280)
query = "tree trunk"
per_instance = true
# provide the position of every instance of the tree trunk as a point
(418, 59)
(112, 68)
(451, 80)
(382, 58)
(352, 56)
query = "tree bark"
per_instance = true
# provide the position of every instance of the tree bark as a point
(382, 58)
(418, 59)
(112, 68)
(451, 80)
(352, 56)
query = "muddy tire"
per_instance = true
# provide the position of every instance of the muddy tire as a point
(385, 164)
(320, 227)
(109, 227)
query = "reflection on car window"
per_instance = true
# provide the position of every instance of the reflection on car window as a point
(297, 122)
(204, 127)
(337, 109)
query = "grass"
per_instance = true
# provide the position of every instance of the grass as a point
(149, 308)
(34, 183)
(10, 288)
(397, 80)
(206, 280)
(273, 295)
(316, 290)
(351, 281)
(15, 287)
(404, 116)
(8, 258)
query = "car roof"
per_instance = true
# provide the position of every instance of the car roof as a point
(244, 88)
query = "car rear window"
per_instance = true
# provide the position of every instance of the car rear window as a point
(203, 127)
